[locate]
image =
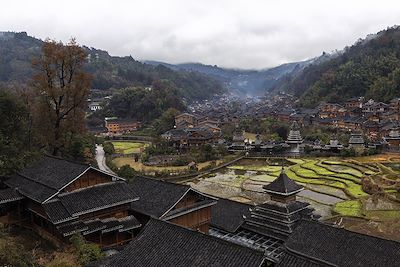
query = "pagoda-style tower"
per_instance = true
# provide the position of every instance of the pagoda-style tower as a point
(238, 138)
(279, 216)
(294, 137)
(356, 142)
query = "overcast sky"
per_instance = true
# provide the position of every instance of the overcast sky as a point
(229, 33)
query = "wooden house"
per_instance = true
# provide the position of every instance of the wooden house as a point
(330, 110)
(189, 137)
(355, 102)
(395, 105)
(393, 140)
(185, 120)
(120, 126)
(179, 204)
(59, 198)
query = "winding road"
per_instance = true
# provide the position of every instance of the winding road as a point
(101, 160)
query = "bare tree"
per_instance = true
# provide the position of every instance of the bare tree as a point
(62, 87)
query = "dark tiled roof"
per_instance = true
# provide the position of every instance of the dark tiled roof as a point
(30, 189)
(53, 172)
(289, 260)
(105, 225)
(156, 197)
(283, 185)
(45, 177)
(339, 247)
(97, 197)
(165, 244)
(56, 212)
(228, 215)
(72, 228)
(9, 195)
(70, 205)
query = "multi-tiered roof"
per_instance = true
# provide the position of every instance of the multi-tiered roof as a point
(356, 139)
(279, 216)
(294, 136)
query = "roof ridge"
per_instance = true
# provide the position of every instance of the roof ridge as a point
(65, 159)
(238, 202)
(90, 187)
(162, 181)
(217, 239)
(35, 181)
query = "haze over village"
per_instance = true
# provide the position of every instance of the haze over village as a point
(212, 133)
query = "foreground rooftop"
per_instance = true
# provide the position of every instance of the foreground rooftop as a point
(165, 244)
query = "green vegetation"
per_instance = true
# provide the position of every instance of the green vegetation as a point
(16, 135)
(143, 104)
(108, 148)
(127, 147)
(13, 254)
(126, 171)
(21, 247)
(349, 208)
(368, 68)
(87, 252)
(355, 208)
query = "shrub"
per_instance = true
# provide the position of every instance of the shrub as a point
(12, 254)
(87, 252)
(99, 140)
(126, 171)
(108, 148)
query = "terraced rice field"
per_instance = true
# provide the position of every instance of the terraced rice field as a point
(333, 187)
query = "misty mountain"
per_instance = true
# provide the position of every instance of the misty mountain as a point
(17, 50)
(252, 82)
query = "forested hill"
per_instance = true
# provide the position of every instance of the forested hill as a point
(18, 49)
(249, 82)
(370, 68)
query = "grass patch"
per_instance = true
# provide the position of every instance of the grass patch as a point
(128, 147)
(349, 208)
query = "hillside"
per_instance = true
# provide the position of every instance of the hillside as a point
(370, 68)
(251, 82)
(18, 49)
